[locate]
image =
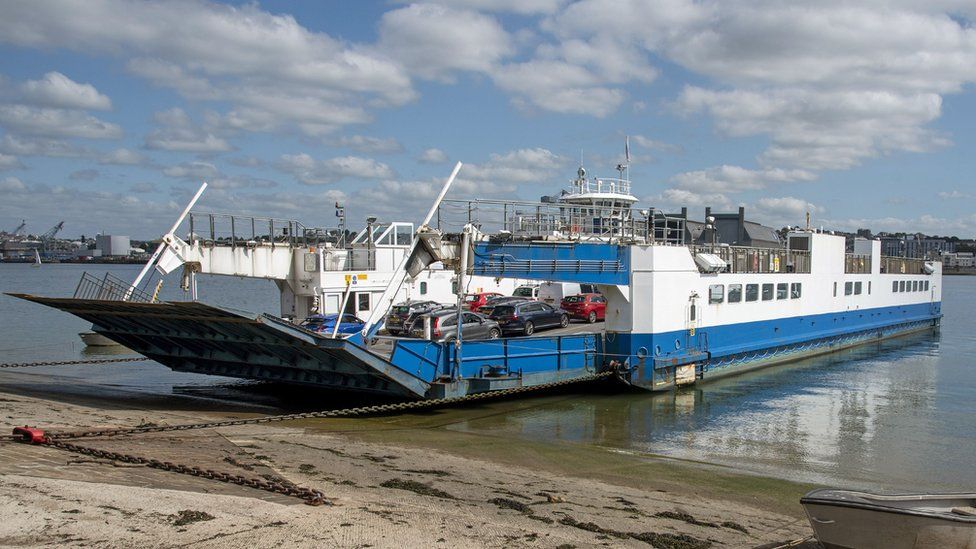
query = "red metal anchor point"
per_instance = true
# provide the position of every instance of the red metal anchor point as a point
(30, 435)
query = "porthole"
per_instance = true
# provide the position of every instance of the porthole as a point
(677, 344)
(642, 352)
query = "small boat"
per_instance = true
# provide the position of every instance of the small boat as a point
(94, 339)
(849, 519)
(37, 259)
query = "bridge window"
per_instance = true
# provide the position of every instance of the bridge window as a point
(716, 293)
(857, 288)
(767, 292)
(796, 289)
(894, 285)
(735, 293)
(782, 289)
(752, 292)
(848, 288)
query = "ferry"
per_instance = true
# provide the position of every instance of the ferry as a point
(682, 307)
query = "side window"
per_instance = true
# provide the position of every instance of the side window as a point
(901, 285)
(449, 321)
(767, 292)
(782, 289)
(423, 288)
(848, 288)
(716, 293)
(735, 293)
(926, 285)
(471, 318)
(795, 290)
(894, 285)
(363, 301)
(915, 286)
(857, 288)
(869, 287)
(752, 292)
(835, 289)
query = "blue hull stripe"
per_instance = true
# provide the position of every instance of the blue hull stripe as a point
(732, 339)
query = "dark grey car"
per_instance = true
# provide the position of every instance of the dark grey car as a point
(444, 326)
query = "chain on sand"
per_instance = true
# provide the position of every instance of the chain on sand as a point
(311, 497)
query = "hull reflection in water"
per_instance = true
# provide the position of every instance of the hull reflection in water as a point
(822, 420)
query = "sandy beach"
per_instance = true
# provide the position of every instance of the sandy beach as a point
(390, 482)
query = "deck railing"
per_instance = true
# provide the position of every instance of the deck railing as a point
(742, 259)
(902, 265)
(109, 288)
(215, 229)
(857, 264)
(536, 220)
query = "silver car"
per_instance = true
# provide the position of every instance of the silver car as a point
(443, 326)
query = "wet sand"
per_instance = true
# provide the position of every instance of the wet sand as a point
(398, 481)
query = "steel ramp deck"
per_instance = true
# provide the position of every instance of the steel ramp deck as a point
(200, 338)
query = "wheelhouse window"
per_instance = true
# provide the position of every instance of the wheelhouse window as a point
(716, 293)
(796, 290)
(752, 292)
(767, 292)
(735, 293)
(857, 288)
(848, 288)
(782, 290)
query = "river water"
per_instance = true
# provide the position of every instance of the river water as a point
(895, 416)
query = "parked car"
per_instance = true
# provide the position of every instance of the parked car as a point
(528, 316)
(399, 313)
(408, 324)
(477, 300)
(487, 308)
(443, 326)
(527, 291)
(589, 307)
(325, 324)
(554, 292)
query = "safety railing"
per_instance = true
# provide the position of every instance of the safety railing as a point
(902, 265)
(245, 231)
(857, 264)
(742, 259)
(109, 288)
(535, 220)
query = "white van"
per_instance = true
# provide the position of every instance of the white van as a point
(554, 292)
(530, 291)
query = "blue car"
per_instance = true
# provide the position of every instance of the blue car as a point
(325, 324)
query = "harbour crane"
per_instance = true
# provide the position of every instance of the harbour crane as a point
(20, 228)
(50, 234)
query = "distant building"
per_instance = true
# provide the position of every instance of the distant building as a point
(959, 260)
(732, 229)
(111, 245)
(915, 246)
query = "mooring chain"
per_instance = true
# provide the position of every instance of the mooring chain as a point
(308, 495)
(311, 497)
(347, 412)
(72, 362)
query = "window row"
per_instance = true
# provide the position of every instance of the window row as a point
(853, 288)
(909, 285)
(716, 292)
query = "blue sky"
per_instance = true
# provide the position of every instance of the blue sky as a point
(112, 111)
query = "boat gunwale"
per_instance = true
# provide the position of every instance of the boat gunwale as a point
(812, 498)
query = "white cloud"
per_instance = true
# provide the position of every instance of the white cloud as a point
(734, 179)
(518, 166)
(59, 91)
(432, 156)
(12, 184)
(46, 122)
(654, 144)
(366, 144)
(675, 199)
(123, 157)
(9, 162)
(953, 195)
(523, 7)
(435, 40)
(309, 171)
(264, 65)
(26, 146)
(194, 171)
(179, 133)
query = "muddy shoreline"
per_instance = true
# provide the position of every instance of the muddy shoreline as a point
(390, 482)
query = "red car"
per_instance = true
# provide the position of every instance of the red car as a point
(589, 307)
(474, 301)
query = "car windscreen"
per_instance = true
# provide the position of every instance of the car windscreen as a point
(401, 309)
(523, 292)
(503, 310)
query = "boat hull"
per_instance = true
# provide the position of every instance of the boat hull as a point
(852, 520)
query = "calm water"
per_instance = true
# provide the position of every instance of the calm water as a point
(894, 416)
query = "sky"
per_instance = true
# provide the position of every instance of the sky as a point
(112, 111)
